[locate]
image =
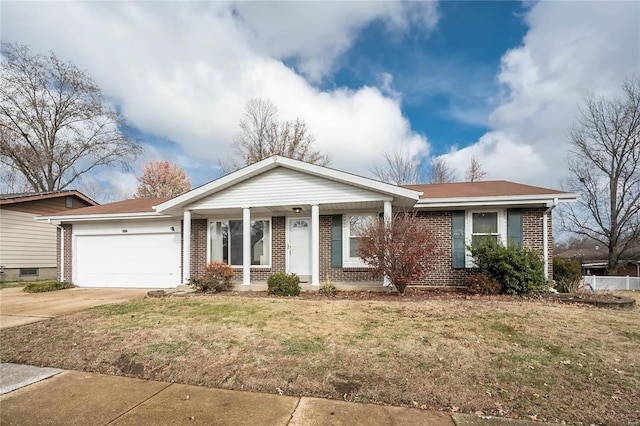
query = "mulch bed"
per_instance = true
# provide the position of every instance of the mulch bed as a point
(601, 300)
(411, 294)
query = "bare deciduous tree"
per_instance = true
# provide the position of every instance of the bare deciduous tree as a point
(262, 135)
(398, 168)
(162, 179)
(56, 124)
(103, 193)
(475, 172)
(399, 249)
(604, 163)
(441, 171)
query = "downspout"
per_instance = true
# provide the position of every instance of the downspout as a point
(545, 236)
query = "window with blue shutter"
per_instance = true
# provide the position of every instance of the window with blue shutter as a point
(336, 241)
(514, 227)
(458, 248)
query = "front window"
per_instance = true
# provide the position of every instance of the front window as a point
(484, 226)
(227, 242)
(352, 226)
(356, 225)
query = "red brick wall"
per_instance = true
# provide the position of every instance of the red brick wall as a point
(198, 247)
(441, 272)
(278, 245)
(532, 235)
(68, 253)
(336, 274)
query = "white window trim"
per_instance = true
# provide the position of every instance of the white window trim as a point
(352, 262)
(257, 219)
(468, 230)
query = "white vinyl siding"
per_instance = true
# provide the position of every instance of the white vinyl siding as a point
(25, 243)
(286, 187)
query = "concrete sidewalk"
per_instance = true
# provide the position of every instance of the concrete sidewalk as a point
(76, 398)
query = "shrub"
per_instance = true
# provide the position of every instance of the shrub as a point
(481, 284)
(567, 273)
(49, 285)
(282, 284)
(402, 249)
(217, 276)
(328, 289)
(519, 270)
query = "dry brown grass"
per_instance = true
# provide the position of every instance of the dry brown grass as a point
(501, 356)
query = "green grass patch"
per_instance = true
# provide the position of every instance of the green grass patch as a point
(10, 284)
(43, 286)
(301, 346)
(168, 348)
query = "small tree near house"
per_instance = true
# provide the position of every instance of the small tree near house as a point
(399, 248)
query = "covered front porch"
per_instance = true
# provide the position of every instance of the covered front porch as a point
(259, 241)
(282, 215)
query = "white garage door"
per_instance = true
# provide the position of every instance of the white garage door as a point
(128, 260)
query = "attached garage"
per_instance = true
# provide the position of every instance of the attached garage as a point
(132, 254)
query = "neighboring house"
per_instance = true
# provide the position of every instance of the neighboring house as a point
(284, 215)
(28, 248)
(594, 261)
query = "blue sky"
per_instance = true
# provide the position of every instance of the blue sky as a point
(498, 80)
(446, 77)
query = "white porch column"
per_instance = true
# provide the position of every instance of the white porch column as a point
(388, 211)
(388, 215)
(186, 246)
(246, 246)
(315, 245)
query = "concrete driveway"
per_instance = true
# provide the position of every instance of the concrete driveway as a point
(18, 307)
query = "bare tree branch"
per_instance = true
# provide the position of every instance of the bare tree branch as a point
(441, 171)
(263, 135)
(56, 121)
(398, 168)
(604, 163)
(475, 172)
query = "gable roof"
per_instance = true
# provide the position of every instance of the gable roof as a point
(494, 192)
(175, 205)
(24, 197)
(444, 195)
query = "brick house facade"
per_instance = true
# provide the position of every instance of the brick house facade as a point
(283, 215)
(439, 222)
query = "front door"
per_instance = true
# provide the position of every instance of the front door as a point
(299, 247)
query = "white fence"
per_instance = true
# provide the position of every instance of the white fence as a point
(610, 283)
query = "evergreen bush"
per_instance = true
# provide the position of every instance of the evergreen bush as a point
(519, 270)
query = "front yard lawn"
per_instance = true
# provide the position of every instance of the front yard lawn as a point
(496, 355)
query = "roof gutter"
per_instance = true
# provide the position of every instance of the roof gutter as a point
(545, 235)
(106, 216)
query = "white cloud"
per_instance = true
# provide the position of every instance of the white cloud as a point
(184, 71)
(315, 33)
(571, 49)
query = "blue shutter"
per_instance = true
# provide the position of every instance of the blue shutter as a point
(458, 249)
(514, 227)
(336, 241)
